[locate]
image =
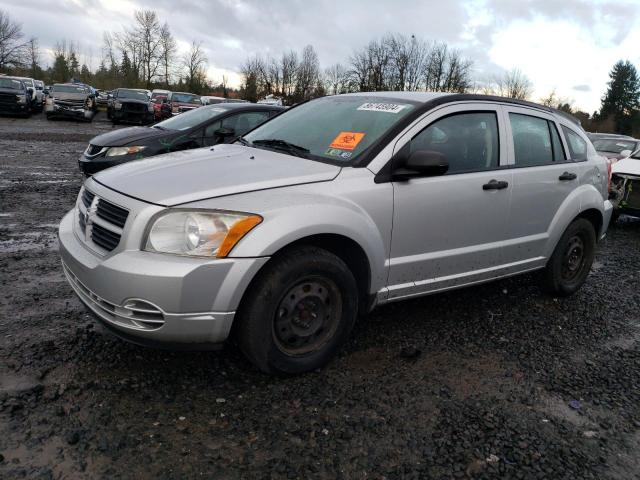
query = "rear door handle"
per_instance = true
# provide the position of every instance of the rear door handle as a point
(495, 185)
(567, 176)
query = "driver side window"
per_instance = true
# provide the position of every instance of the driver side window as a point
(469, 141)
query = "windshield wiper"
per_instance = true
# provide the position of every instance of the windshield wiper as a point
(278, 144)
(158, 127)
(243, 141)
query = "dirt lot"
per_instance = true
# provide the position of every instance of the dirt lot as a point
(495, 381)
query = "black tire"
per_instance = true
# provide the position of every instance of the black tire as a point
(570, 264)
(286, 323)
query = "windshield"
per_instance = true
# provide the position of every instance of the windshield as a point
(336, 129)
(133, 94)
(613, 146)
(190, 119)
(11, 84)
(158, 97)
(39, 84)
(69, 89)
(185, 98)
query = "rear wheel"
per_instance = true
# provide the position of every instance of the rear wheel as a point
(570, 264)
(298, 312)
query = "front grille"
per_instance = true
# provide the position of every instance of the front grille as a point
(87, 198)
(135, 313)
(104, 238)
(100, 222)
(8, 99)
(134, 107)
(112, 213)
(94, 149)
(70, 103)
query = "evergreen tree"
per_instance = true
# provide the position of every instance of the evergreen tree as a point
(74, 66)
(60, 71)
(622, 99)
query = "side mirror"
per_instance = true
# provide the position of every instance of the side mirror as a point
(422, 163)
(225, 132)
(625, 153)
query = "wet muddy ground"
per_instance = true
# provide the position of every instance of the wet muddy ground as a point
(497, 381)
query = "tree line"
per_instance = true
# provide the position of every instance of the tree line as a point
(144, 54)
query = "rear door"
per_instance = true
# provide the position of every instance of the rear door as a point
(544, 175)
(447, 230)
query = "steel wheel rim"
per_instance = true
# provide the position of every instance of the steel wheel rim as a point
(307, 316)
(573, 258)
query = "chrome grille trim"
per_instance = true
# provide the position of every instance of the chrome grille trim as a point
(100, 222)
(136, 314)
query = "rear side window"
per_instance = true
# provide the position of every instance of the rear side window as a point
(535, 141)
(469, 141)
(577, 146)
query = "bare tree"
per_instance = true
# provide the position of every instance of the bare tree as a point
(12, 47)
(308, 74)
(336, 79)
(148, 40)
(168, 50)
(34, 57)
(288, 69)
(513, 84)
(195, 63)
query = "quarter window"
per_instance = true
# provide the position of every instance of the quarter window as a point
(577, 146)
(469, 141)
(535, 141)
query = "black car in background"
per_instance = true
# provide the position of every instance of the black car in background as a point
(130, 105)
(15, 98)
(202, 127)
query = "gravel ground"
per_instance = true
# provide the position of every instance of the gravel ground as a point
(497, 381)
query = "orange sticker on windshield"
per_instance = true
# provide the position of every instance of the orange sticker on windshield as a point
(347, 140)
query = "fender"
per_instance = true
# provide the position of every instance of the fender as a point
(289, 224)
(583, 198)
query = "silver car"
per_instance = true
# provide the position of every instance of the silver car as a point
(336, 206)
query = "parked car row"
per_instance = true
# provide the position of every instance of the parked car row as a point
(283, 232)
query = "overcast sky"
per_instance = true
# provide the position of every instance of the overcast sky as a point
(569, 45)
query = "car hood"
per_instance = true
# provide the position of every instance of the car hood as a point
(69, 96)
(628, 166)
(127, 136)
(189, 176)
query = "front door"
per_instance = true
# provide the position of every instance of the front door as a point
(448, 230)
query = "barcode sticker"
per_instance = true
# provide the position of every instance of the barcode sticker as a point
(383, 107)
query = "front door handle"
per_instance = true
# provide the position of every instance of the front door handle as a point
(567, 176)
(495, 185)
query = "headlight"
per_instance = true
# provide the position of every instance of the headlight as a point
(150, 107)
(117, 151)
(21, 98)
(117, 105)
(198, 233)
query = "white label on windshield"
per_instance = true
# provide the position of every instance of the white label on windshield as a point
(383, 107)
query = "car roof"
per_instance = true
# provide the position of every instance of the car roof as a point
(433, 99)
(186, 93)
(243, 106)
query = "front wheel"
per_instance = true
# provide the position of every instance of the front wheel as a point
(298, 312)
(570, 264)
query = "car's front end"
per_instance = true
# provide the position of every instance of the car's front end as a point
(625, 187)
(14, 98)
(152, 256)
(133, 111)
(146, 297)
(70, 101)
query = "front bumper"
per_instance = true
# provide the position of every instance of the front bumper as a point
(70, 112)
(154, 299)
(14, 108)
(133, 117)
(91, 166)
